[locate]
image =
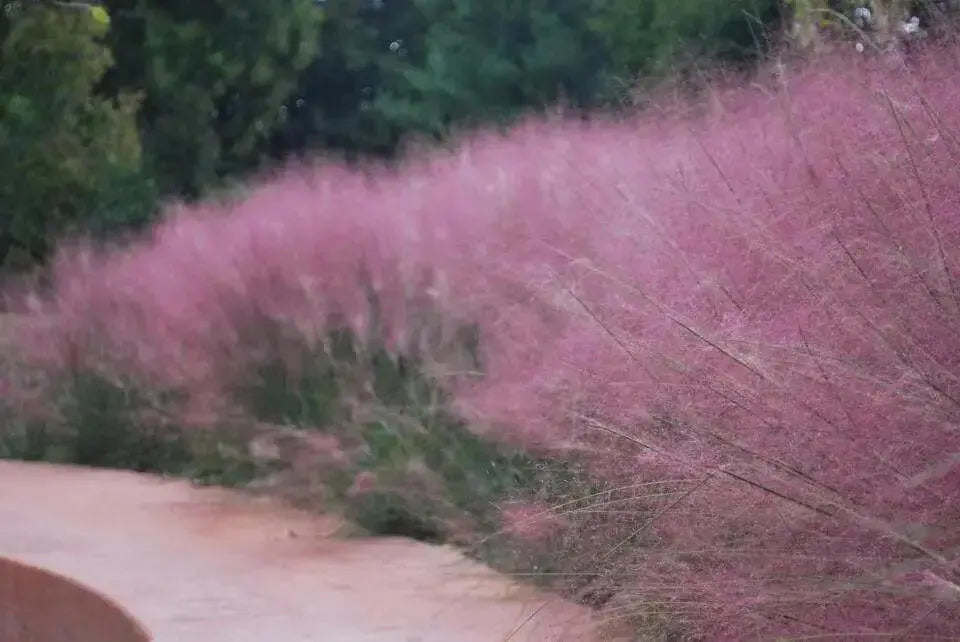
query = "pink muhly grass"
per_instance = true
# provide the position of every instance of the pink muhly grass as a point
(763, 298)
(530, 521)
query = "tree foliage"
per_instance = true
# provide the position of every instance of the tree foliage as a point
(332, 107)
(212, 91)
(487, 62)
(646, 37)
(69, 157)
(216, 75)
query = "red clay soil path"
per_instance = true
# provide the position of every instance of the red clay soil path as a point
(210, 565)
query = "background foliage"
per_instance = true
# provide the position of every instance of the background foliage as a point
(173, 99)
(69, 156)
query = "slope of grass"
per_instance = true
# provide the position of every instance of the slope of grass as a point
(739, 320)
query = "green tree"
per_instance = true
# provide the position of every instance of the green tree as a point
(489, 61)
(216, 76)
(392, 67)
(70, 158)
(654, 36)
(332, 107)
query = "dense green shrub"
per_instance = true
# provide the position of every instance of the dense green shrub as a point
(488, 62)
(70, 158)
(659, 35)
(215, 77)
(94, 421)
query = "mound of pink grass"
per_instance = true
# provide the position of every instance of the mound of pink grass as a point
(759, 302)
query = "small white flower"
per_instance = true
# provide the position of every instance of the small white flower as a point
(859, 47)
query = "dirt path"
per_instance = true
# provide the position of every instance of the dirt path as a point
(210, 565)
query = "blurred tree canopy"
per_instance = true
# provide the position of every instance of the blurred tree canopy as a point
(106, 107)
(70, 158)
(215, 75)
(647, 37)
(486, 62)
(332, 108)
